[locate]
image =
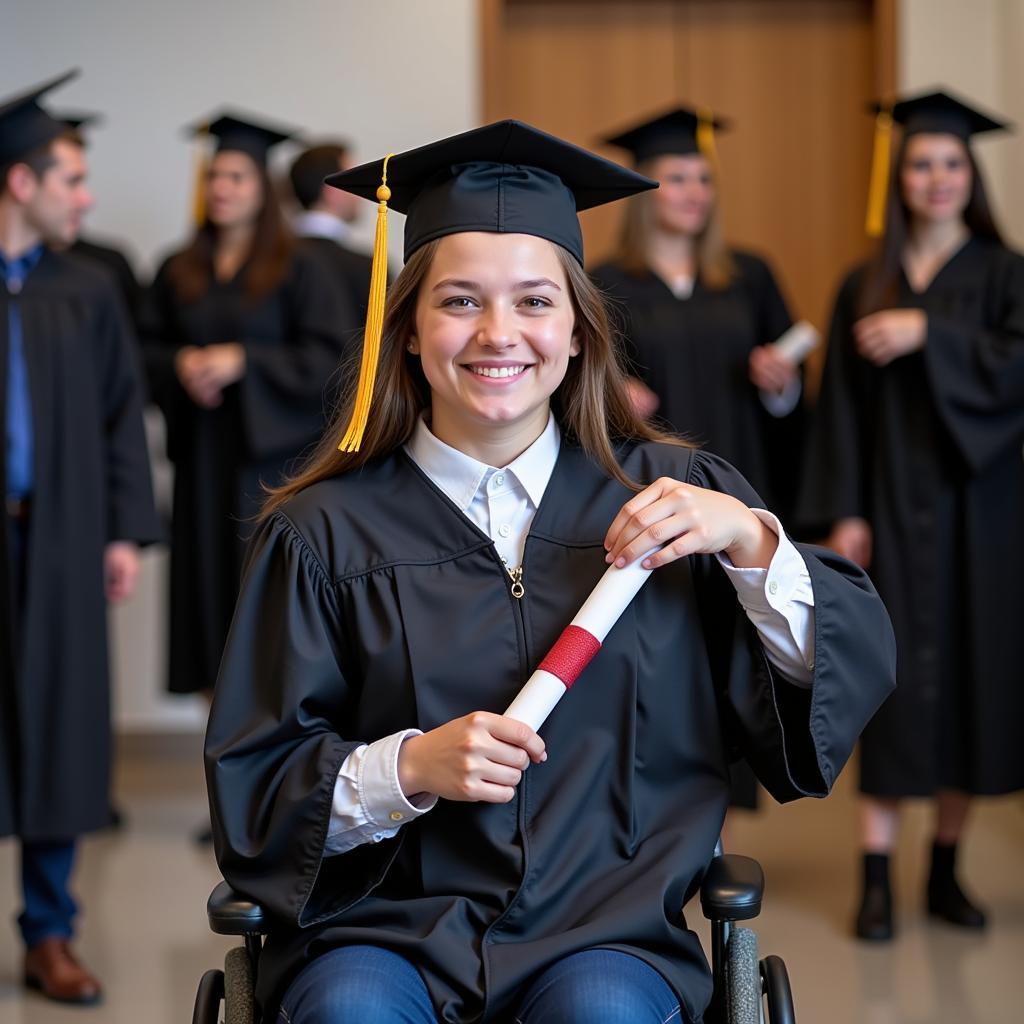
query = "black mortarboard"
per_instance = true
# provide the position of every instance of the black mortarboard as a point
(25, 125)
(504, 177)
(76, 120)
(928, 113)
(678, 132)
(939, 112)
(240, 133)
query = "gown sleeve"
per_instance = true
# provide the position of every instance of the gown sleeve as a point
(977, 373)
(773, 317)
(834, 477)
(130, 503)
(285, 387)
(272, 750)
(796, 739)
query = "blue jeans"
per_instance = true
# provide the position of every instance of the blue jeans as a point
(369, 985)
(49, 909)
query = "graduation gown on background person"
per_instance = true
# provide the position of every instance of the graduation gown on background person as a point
(929, 451)
(350, 269)
(91, 486)
(694, 354)
(117, 263)
(371, 604)
(293, 341)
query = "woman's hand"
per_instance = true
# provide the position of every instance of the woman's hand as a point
(769, 371)
(686, 520)
(882, 337)
(852, 539)
(481, 756)
(120, 570)
(205, 372)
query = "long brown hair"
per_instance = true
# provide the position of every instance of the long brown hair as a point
(591, 403)
(716, 268)
(191, 271)
(881, 286)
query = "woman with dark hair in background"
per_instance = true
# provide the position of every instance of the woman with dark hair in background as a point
(242, 331)
(915, 467)
(698, 318)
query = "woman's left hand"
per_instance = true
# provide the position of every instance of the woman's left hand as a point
(882, 337)
(685, 520)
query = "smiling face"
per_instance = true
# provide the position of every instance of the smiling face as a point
(494, 333)
(686, 194)
(936, 177)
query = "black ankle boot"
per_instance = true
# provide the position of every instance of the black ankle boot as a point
(946, 899)
(874, 918)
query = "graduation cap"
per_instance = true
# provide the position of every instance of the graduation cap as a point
(234, 132)
(681, 131)
(25, 125)
(505, 177)
(927, 113)
(76, 120)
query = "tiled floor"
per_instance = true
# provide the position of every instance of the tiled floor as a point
(144, 929)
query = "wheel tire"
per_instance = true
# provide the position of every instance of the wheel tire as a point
(239, 987)
(742, 979)
(777, 991)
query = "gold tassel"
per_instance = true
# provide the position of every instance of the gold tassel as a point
(706, 138)
(202, 170)
(374, 322)
(878, 190)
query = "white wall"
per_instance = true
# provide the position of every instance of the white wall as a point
(974, 47)
(386, 74)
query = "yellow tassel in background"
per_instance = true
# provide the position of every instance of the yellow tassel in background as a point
(878, 190)
(202, 170)
(374, 322)
(706, 139)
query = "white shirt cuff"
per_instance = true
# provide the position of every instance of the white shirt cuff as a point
(368, 804)
(779, 601)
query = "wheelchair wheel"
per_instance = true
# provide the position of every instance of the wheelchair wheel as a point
(777, 992)
(239, 987)
(742, 979)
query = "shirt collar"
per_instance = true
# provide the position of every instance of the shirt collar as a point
(318, 224)
(460, 475)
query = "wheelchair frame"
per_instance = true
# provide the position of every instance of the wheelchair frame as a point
(732, 891)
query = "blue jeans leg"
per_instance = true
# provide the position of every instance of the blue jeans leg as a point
(357, 985)
(45, 874)
(599, 986)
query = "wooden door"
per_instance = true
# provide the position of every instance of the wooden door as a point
(793, 76)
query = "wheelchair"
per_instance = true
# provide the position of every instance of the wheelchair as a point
(747, 990)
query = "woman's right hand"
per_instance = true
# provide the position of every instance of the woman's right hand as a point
(481, 756)
(852, 539)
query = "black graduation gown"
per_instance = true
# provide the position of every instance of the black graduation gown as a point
(293, 341)
(92, 486)
(928, 451)
(117, 263)
(371, 604)
(694, 354)
(351, 271)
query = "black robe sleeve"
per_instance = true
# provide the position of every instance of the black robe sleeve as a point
(834, 479)
(796, 739)
(131, 510)
(977, 374)
(272, 752)
(283, 390)
(771, 311)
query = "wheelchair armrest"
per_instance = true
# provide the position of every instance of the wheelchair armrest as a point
(732, 889)
(232, 914)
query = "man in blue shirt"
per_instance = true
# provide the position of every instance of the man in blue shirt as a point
(78, 503)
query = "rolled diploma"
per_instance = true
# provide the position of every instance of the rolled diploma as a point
(579, 642)
(798, 342)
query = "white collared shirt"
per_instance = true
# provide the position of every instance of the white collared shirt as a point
(320, 224)
(368, 803)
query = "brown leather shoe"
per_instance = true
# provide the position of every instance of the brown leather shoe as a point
(51, 968)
